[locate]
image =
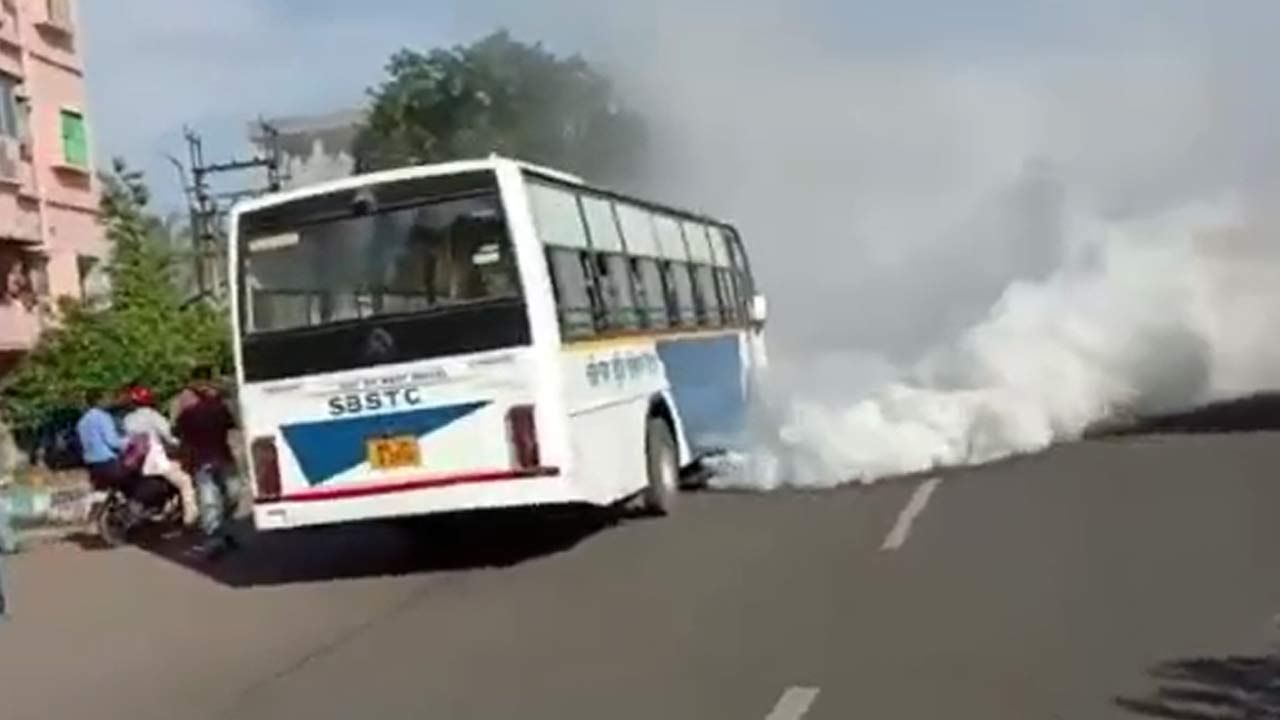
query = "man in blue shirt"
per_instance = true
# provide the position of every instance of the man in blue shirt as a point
(101, 443)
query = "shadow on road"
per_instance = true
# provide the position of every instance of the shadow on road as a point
(1256, 412)
(421, 545)
(87, 541)
(1231, 688)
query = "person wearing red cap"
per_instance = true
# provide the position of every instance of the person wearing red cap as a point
(144, 419)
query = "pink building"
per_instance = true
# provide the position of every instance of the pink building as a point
(51, 243)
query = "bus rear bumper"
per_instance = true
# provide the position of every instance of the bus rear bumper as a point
(412, 497)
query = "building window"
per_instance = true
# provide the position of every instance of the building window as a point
(11, 280)
(36, 267)
(75, 143)
(95, 284)
(9, 125)
(58, 13)
(24, 278)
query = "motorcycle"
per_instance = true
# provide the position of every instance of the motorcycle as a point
(148, 502)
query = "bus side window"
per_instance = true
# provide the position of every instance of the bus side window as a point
(705, 283)
(578, 307)
(741, 272)
(681, 302)
(700, 309)
(669, 245)
(698, 246)
(641, 294)
(649, 280)
(692, 312)
(733, 271)
(614, 286)
(729, 296)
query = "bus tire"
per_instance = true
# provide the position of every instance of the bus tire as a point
(662, 463)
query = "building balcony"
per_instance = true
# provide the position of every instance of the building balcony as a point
(56, 16)
(20, 326)
(8, 24)
(10, 44)
(19, 214)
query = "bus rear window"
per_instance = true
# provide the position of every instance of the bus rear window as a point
(356, 262)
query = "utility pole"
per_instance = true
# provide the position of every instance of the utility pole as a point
(208, 207)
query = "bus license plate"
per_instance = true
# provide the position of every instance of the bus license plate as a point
(394, 452)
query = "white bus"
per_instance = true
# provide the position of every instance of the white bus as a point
(479, 335)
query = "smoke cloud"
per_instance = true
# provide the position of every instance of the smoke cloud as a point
(976, 242)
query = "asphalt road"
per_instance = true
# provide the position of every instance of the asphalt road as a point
(1115, 578)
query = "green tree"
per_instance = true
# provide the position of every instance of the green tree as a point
(147, 333)
(500, 95)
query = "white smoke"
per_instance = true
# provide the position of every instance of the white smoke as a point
(1045, 220)
(1153, 319)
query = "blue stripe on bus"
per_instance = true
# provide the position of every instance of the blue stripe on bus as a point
(330, 447)
(706, 382)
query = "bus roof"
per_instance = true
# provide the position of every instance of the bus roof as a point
(493, 162)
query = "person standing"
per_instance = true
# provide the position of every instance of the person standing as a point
(8, 544)
(203, 423)
(189, 395)
(144, 420)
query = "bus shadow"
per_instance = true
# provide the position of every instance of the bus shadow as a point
(379, 549)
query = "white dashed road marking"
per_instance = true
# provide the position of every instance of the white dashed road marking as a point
(794, 703)
(902, 528)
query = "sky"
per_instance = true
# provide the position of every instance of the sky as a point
(157, 65)
(864, 147)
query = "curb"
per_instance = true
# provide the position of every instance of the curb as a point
(31, 538)
(46, 515)
(34, 508)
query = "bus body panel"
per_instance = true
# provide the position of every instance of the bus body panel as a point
(609, 390)
(466, 495)
(455, 410)
(707, 375)
(611, 386)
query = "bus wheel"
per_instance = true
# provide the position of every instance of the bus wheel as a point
(663, 467)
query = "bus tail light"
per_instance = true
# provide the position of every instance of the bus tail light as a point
(266, 468)
(522, 433)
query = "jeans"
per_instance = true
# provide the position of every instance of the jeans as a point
(219, 496)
